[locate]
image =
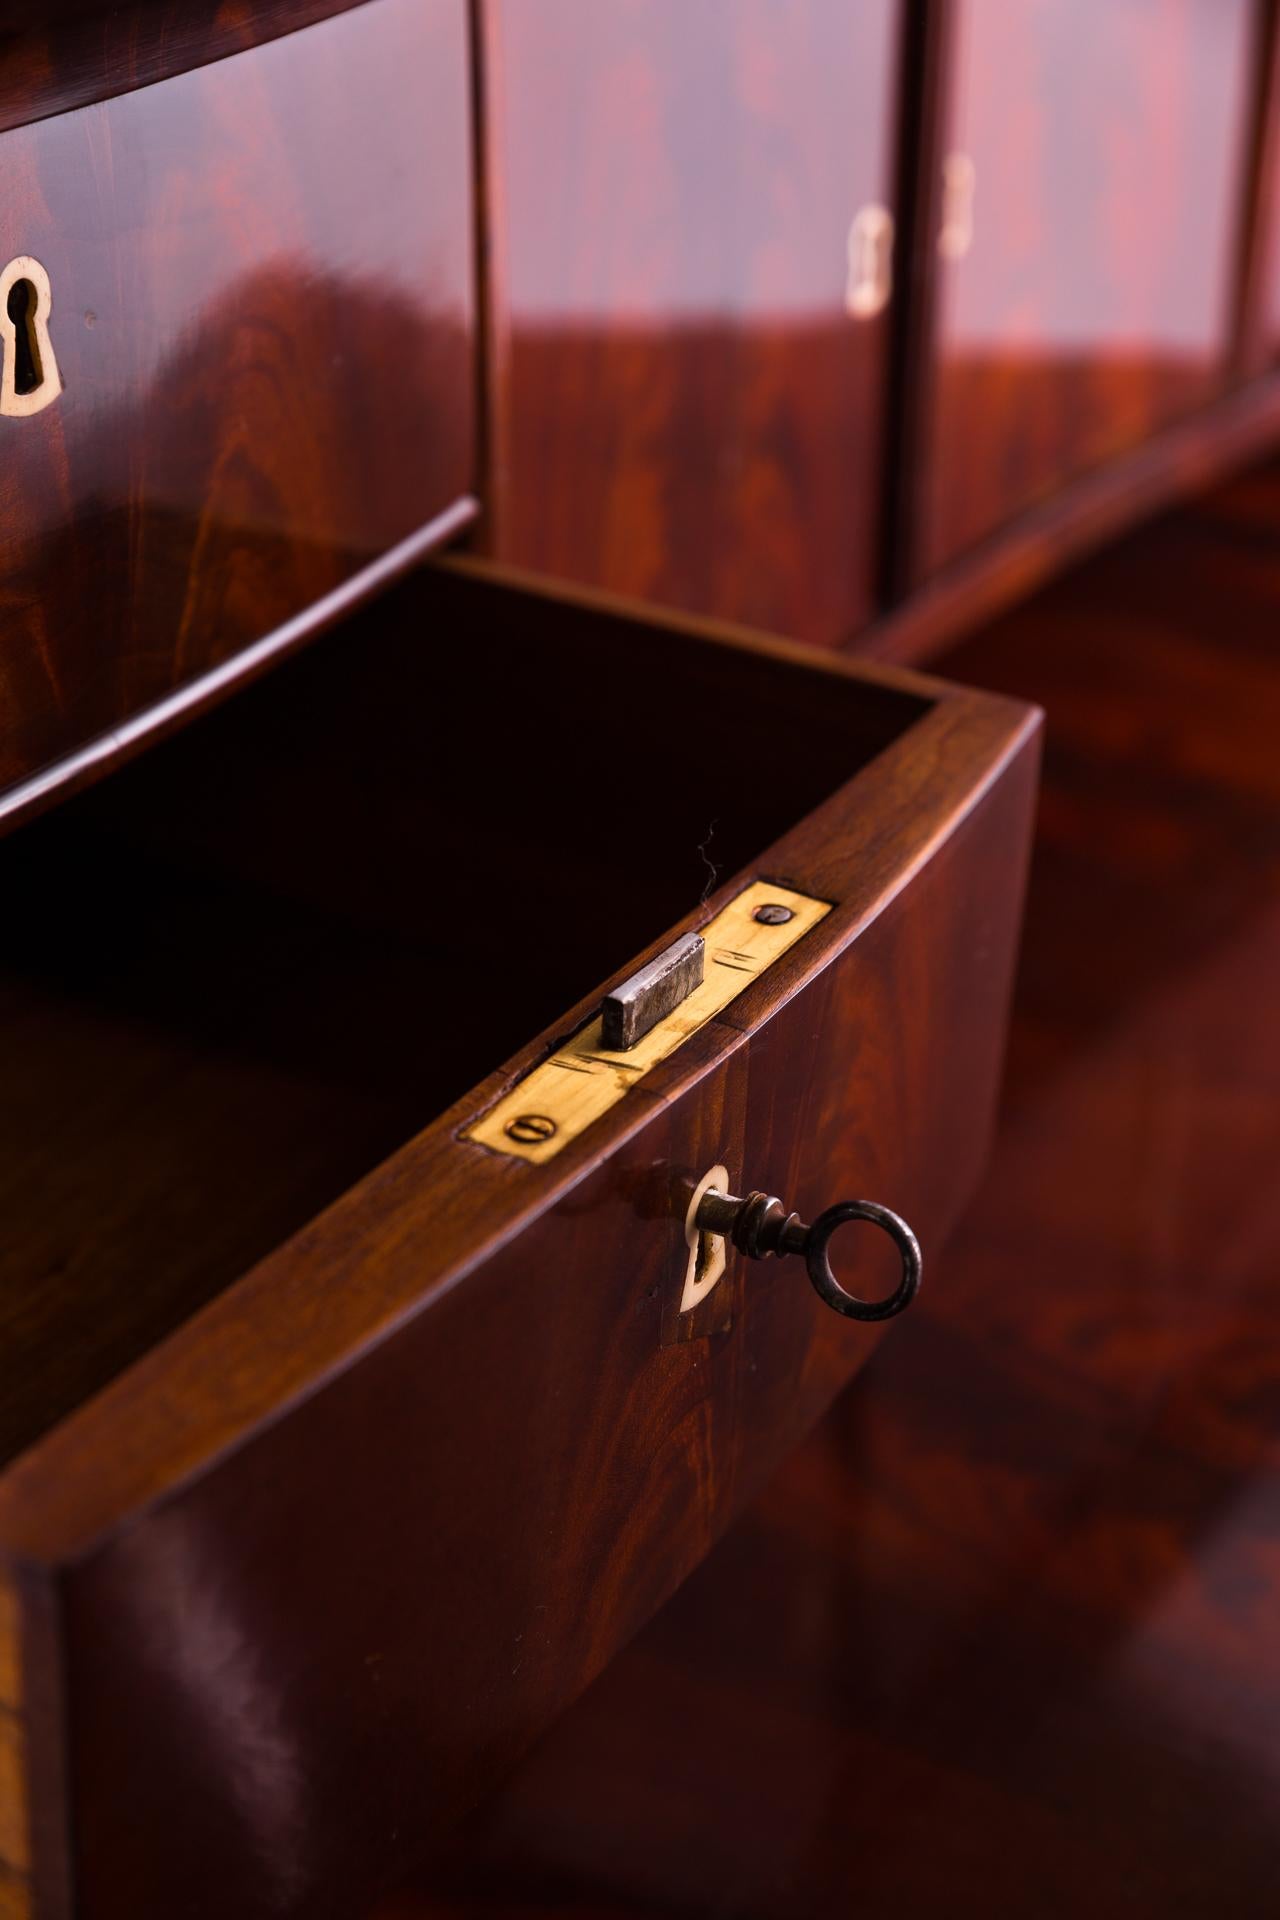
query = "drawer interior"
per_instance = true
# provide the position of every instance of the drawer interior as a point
(241, 971)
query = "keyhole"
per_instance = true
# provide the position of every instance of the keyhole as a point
(27, 374)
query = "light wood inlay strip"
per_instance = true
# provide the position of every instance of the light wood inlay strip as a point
(558, 1100)
(10, 1646)
(15, 1822)
(15, 1829)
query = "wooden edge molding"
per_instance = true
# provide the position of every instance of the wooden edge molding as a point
(76, 770)
(10, 1646)
(15, 1797)
(489, 214)
(1253, 348)
(1174, 464)
(897, 677)
(926, 57)
(76, 57)
(35, 1870)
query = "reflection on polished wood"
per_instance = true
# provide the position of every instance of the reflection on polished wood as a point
(1001, 1639)
(1107, 142)
(683, 407)
(264, 349)
(75, 51)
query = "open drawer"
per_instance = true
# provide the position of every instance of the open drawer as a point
(344, 1448)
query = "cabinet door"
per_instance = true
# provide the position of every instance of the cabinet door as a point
(1094, 165)
(686, 409)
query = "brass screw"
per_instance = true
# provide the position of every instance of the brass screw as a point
(531, 1127)
(773, 914)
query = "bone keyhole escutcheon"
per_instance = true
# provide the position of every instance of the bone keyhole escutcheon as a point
(30, 379)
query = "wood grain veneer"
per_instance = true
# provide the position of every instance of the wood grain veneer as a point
(77, 52)
(322, 1561)
(1108, 144)
(261, 275)
(1000, 1638)
(682, 406)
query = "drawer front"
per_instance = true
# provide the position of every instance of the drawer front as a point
(330, 1557)
(257, 284)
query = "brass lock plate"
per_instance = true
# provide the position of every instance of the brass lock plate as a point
(560, 1098)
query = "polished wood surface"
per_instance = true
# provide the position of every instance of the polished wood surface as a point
(1001, 1639)
(196, 968)
(74, 52)
(328, 1557)
(1108, 141)
(264, 341)
(682, 407)
(298, 1558)
(1262, 338)
(1077, 368)
(1175, 465)
(1176, 460)
(1257, 328)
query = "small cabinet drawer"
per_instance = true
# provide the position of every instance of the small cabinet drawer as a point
(348, 1447)
(255, 376)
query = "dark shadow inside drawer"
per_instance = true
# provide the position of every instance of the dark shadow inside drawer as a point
(241, 971)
